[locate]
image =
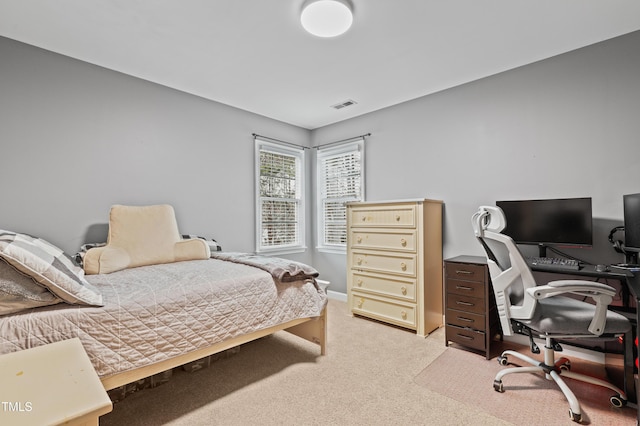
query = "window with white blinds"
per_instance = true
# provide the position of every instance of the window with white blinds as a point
(340, 179)
(279, 200)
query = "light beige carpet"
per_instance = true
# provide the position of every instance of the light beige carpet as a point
(529, 399)
(366, 378)
(369, 377)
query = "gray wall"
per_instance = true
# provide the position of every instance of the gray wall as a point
(76, 138)
(568, 126)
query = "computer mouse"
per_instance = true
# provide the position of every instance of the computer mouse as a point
(602, 268)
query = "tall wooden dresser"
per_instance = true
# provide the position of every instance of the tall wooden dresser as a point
(394, 262)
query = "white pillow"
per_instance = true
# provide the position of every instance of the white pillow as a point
(49, 266)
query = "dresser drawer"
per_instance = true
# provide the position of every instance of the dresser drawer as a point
(384, 310)
(465, 271)
(393, 216)
(466, 337)
(385, 263)
(465, 303)
(466, 288)
(465, 319)
(386, 240)
(385, 286)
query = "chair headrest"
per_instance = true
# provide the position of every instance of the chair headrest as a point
(488, 218)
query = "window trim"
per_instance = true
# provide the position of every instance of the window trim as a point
(299, 154)
(347, 147)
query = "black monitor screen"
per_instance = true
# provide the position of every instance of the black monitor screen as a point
(565, 221)
(631, 205)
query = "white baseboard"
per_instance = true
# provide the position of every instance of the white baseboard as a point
(337, 295)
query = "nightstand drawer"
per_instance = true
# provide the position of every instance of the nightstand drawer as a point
(466, 337)
(384, 310)
(465, 271)
(466, 288)
(397, 216)
(385, 263)
(465, 303)
(385, 240)
(385, 286)
(465, 319)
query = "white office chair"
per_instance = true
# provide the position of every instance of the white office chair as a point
(540, 311)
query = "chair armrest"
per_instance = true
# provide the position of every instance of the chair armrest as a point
(584, 288)
(602, 294)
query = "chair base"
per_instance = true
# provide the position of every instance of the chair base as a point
(553, 370)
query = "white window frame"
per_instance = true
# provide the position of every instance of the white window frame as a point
(329, 153)
(299, 155)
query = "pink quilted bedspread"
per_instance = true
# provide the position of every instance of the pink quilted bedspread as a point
(153, 313)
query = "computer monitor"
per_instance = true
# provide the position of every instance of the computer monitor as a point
(559, 222)
(631, 205)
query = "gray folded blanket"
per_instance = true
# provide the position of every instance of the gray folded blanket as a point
(282, 269)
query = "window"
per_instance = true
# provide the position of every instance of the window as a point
(279, 201)
(340, 180)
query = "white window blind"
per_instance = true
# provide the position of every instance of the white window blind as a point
(279, 198)
(340, 180)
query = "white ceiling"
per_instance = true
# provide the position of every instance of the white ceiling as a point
(254, 54)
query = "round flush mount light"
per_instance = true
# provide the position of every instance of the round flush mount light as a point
(326, 18)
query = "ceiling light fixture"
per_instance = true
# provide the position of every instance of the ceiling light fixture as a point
(326, 18)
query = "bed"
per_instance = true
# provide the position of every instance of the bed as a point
(149, 319)
(158, 317)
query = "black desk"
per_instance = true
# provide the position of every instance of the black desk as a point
(588, 271)
(633, 284)
(630, 289)
(619, 274)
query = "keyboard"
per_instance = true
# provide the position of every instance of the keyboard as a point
(554, 263)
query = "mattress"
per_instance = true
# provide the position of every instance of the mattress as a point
(153, 313)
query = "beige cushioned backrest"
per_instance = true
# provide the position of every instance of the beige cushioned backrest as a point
(140, 236)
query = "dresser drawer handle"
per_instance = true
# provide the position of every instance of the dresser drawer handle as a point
(403, 242)
(359, 261)
(364, 218)
(360, 302)
(465, 319)
(403, 266)
(459, 302)
(397, 218)
(359, 283)
(403, 314)
(465, 337)
(462, 272)
(403, 289)
(462, 287)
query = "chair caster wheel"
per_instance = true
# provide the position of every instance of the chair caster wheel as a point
(502, 360)
(497, 386)
(618, 401)
(564, 364)
(575, 417)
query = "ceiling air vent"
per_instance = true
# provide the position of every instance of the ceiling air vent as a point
(344, 104)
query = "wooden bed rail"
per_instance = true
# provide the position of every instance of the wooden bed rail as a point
(311, 329)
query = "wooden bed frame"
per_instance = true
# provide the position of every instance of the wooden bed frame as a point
(311, 329)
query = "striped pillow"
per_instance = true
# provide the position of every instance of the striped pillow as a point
(19, 292)
(213, 244)
(49, 266)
